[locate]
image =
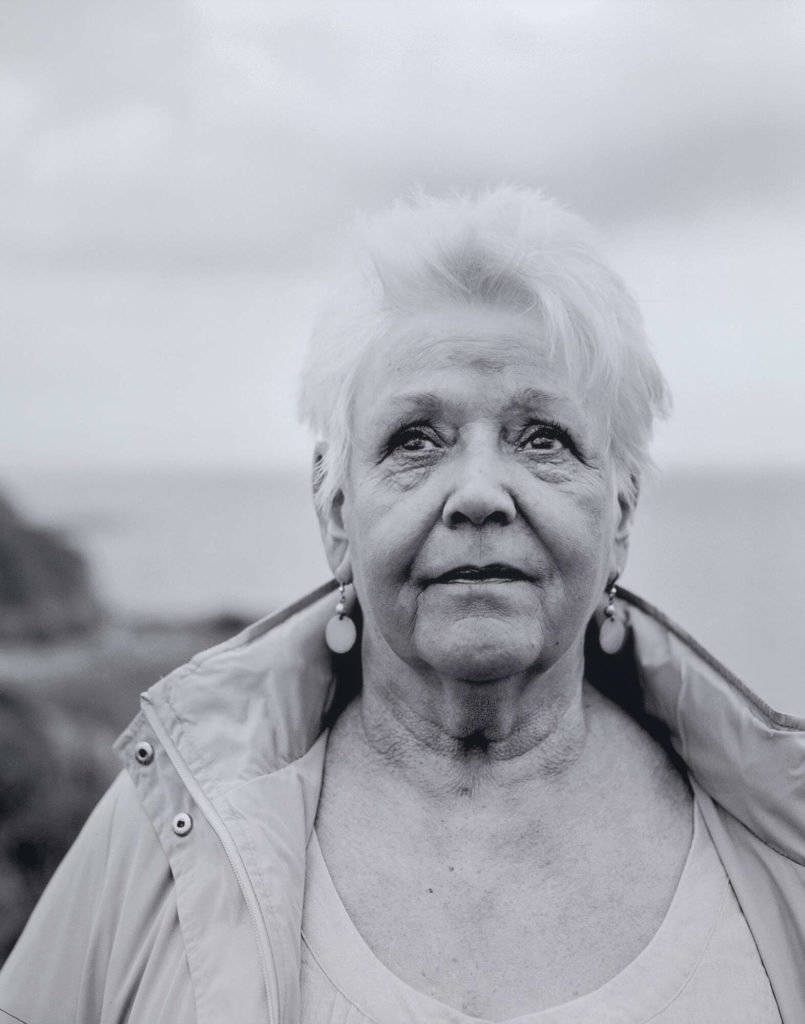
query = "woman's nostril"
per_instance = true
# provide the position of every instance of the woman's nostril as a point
(479, 505)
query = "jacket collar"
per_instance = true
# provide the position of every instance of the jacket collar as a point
(745, 755)
(253, 705)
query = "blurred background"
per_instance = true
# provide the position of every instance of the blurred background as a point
(175, 176)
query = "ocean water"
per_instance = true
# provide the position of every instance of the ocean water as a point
(723, 553)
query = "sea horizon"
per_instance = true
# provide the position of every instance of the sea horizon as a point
(722, 551)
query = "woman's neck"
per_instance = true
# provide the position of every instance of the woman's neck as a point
(444, 734)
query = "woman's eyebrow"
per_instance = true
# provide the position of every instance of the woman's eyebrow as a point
(535, 398)
(415, 402)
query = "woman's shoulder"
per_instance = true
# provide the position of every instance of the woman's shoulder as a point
(107, 919)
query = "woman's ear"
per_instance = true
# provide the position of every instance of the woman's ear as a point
(331, 523)
(627, 505)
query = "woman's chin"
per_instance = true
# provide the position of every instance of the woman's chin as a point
(480, 649)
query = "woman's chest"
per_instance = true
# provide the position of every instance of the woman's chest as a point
(502, 927)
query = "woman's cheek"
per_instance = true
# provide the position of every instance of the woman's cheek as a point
(386, 534)
(578, 525)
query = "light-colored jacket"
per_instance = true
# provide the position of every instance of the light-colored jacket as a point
(151, 922)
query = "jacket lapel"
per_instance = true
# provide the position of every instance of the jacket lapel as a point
(239, 746)
(747, 768)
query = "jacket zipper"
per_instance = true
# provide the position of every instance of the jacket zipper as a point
(264, 949)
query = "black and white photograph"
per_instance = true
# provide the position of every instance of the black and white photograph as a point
(402, 512)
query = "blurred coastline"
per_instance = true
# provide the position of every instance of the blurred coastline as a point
(71, 669)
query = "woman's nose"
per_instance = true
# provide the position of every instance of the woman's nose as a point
(479, 494)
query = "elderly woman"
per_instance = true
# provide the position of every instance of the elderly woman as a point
(476, 783)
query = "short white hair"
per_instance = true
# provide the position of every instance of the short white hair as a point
(506, 247)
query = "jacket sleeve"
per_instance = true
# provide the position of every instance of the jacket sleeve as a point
(104, 942)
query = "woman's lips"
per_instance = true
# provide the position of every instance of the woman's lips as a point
(496, 572)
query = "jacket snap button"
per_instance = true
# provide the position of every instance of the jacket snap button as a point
(144, 752)
(182, 824)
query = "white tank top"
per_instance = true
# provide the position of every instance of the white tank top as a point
(701, 966)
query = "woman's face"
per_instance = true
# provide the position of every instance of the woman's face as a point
(479, 519)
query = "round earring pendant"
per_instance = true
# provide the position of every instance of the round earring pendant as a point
(340, 634)
(612, 635)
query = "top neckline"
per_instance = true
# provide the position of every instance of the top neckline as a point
(643, 988)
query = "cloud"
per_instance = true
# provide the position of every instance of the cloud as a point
(222, 134)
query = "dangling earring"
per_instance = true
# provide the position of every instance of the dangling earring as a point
(340, 633)
(612, 634)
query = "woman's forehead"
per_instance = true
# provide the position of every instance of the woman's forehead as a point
(428, 359)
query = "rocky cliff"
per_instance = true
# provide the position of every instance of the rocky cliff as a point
(45, 591)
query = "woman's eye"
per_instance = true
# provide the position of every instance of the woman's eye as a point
(412, 440)
(414, 444)
(545, 438)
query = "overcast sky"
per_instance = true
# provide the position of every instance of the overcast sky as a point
(174, 176)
